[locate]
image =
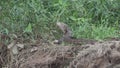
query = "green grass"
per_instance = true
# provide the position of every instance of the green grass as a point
(95, 19)
(95, 32)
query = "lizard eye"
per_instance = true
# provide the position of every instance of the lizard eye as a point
(65, 31)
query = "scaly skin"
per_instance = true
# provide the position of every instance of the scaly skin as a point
(67, 36)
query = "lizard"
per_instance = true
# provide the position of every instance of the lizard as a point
(67, 36)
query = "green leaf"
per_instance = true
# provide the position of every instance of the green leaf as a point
(28, 28)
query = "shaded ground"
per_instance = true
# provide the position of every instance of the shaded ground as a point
(47, 55)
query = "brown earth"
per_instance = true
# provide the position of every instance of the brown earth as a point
(99, 55)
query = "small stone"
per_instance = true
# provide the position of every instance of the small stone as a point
(34, 49)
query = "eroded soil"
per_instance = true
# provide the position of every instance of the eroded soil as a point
(47, 55)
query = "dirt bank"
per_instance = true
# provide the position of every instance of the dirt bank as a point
(99, 55)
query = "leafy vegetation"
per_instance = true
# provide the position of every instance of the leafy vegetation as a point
(95, 19)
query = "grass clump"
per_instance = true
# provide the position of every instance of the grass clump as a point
(95, 32)
(95, 19)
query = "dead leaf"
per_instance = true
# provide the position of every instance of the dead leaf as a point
(12, 44)
(15, 50)
(20, 45)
